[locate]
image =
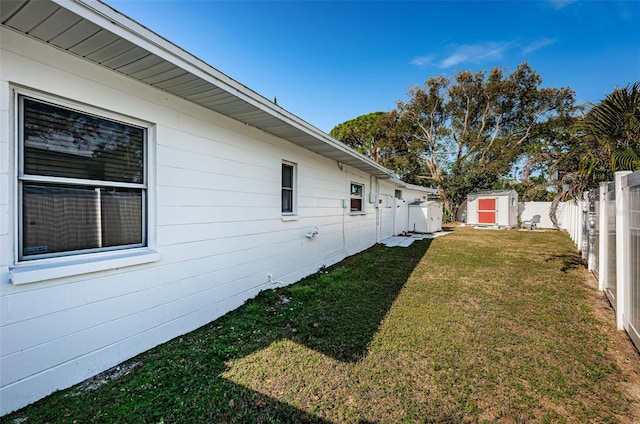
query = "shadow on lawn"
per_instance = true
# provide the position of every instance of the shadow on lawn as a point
(339, 312)
(569, 261)
(336, 312)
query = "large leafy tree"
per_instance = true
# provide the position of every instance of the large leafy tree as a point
(398, 151)
(361, 133)
(468, 132)
(614, 126)
(473, 129)
(604, 140)
(381, 137)
(589, 150)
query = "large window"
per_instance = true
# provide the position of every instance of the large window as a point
(288, 188)
(357, 204)
(82, 181)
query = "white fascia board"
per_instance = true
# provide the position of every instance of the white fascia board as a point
(113, 21)
(423, 189)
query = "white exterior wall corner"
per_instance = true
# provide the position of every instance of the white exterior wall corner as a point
(214, 201)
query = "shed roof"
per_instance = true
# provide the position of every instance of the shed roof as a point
(492, 193)
(95, 32)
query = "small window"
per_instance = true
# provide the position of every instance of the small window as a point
(82, 182)
(357, 204)
(398, 194)
(288, 188)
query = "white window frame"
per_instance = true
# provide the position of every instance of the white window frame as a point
(360, 197)
(37, 268)
(293, 189)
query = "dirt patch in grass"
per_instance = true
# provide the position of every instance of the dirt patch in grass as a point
(104, 377)
(477, 326)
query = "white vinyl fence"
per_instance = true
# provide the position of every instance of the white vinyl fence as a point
(530, 209)
(605, 226)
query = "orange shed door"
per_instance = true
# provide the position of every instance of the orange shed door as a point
(486, 211)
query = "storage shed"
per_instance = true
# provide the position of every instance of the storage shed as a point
(425, 217)
(493, 208)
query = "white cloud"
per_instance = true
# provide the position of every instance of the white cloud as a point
(475, 53)
(561, 4)
(422, 61)
(537, 45)
(492, 51)
(453, 60)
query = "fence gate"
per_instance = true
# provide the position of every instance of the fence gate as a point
(401, 216)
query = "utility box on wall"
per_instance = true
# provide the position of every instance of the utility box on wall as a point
(425, 217)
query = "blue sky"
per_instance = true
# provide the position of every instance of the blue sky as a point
(331, 61)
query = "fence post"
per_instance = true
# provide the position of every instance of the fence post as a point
(577, 224)
(622, 228)
(591, 229)
(584, 225)
(580, 227)
(572, 220)
(603, 255)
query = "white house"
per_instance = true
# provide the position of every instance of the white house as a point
(143, 194)
(492, 208)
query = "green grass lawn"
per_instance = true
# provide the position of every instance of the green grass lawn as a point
(476, 326)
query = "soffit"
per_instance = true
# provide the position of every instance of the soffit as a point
(97, 33)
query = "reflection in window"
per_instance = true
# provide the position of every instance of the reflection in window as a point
(288, 177)
(82, 182)
(357, 205)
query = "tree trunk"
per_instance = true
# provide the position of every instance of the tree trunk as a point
(553, 212)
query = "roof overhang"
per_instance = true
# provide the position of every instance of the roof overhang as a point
(98, 33)
(490, 193)
(423, 189)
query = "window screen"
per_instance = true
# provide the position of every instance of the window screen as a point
(287, 188)
(356, 205)
(82, 181)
